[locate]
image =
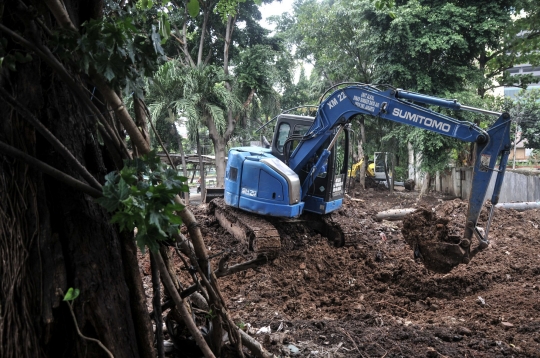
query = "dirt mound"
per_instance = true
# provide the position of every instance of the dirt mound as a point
(373, 299)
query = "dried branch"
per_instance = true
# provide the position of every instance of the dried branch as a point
(60, 14)
(254, 346)
(121, 113)
(225, 271)
(156, 302)
(79, 331)
(190, 324)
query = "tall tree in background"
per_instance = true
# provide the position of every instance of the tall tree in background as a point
(443, 46)
(333, 36)
(208, 38)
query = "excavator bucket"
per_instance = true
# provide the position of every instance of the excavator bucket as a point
(434, 242)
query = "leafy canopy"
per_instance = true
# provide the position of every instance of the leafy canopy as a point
(141, 195)
(525, 110)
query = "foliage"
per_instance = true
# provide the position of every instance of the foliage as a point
(226, 8)
(193, 93)
(161, 91)
(525, 110)
(141, 195)
(203, 97)
(304, 92)
(124, 46)
(10, 58)
(333, 36)
(434, 47)
(254, 68)
(71, 294)
(423, 48)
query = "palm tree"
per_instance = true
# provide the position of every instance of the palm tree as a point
(162, 91)
(198, 94)
(205, 102)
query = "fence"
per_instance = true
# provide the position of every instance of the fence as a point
(517, 187)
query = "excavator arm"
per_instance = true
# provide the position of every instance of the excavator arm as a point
(492, 150)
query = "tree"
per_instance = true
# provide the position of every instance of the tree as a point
(199, 49)
(54, 236)
(58, 142)
(333, 36)
(525, 109)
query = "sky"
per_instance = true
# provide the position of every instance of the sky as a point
(278, 8)
(275, 8)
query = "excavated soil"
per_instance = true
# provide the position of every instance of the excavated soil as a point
(373, 299)
(435, 240)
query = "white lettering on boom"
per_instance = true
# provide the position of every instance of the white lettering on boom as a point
(424, 121)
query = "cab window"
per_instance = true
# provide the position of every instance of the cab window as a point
(299, 129)
(283, 134)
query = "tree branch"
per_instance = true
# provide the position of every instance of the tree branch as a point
(192, 327)
(184, 32)
(47, 169)
(156, 302)
(225, 271)
(121, 112)
(63, 19)
(203, 32)
(50, 138)
(49, 58)
(60, 14)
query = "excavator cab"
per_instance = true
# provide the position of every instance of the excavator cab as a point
(329, 184)
(289, 131)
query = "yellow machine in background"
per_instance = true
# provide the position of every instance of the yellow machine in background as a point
(376, 169)
(356, 167)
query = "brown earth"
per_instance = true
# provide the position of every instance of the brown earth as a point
(374, 300)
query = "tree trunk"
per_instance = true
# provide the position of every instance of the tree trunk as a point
(181, 150)
(53, 237)
(425, 185)
(221, 163)
(202, 179)
(411, 165)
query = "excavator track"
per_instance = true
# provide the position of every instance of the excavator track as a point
(258, 234)
(261, 236)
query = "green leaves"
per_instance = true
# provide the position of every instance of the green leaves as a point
(193, 8)
(141, 196)
(524, 109)
(10, 58)
(124, 46)
(72, 294)
(226, 8)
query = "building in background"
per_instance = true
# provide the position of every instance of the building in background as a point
(520, 150)
(525, 69)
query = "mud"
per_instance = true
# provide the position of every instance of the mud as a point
(375, 299)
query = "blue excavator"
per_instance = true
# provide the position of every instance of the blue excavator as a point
(304, 172)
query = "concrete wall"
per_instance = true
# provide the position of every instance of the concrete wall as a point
(516, 187)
